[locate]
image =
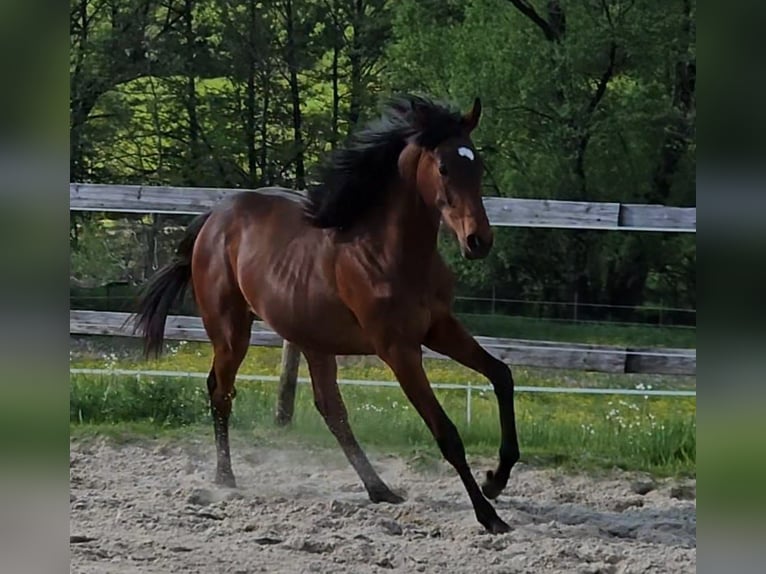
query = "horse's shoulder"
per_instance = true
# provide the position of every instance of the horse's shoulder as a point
(440, 271)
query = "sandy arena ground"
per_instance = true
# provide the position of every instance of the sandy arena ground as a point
(152, 507)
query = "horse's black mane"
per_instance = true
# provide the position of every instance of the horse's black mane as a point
(356, 175)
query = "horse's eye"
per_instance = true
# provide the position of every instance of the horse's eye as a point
(442, 169)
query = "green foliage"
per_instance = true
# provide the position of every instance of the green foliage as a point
(589, 101)
(161, 401)
(96, 257)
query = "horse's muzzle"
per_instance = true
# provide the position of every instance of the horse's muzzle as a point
(475, 247)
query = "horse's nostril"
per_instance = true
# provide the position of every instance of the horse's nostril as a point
(474, 242)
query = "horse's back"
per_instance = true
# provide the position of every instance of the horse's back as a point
(277, 191)
(263, 198)
(275, 213)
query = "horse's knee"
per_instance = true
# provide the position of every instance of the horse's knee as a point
(502, 379)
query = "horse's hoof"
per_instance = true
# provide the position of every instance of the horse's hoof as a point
(224, 479)
(496, 526)
(385, 496)
(490, 488)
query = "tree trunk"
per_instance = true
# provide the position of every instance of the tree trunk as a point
(267, 176)
(292, 65)
(291, 357)
(252, 159)
(335, 91)
(192, 167)
(81, 106)
(679, 132)
(78, 108)
(355, 58)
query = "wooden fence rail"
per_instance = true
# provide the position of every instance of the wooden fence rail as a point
(502, 211)
(520, 352)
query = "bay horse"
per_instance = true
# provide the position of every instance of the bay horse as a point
(350, 268)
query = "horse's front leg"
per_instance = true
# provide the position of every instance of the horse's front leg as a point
(407, 364)
(448, 337)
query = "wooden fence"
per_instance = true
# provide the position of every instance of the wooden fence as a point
(601, 358)
(501, 211)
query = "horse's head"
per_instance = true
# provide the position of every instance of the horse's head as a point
(449, 179)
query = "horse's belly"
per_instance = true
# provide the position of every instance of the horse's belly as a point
(347, 343)
(324, 326)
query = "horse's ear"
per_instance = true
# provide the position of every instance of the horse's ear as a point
(471, 119)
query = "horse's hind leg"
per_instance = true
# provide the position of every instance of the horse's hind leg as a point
(329, 403)
(230, 334)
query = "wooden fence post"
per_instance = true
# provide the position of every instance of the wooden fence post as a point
(288, 381)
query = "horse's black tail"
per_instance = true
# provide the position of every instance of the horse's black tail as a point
(164, 289)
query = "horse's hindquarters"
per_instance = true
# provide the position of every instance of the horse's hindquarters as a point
(283, 267)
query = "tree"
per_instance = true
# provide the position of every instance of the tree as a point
(112, 43)
(591, 100)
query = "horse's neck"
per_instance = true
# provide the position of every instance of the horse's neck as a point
(410, 228)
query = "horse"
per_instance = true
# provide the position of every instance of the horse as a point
(350, 267)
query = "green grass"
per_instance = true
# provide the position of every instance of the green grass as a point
(655, 434)
(595, 333)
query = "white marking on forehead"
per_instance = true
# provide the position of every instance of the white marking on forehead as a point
(465, 152)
